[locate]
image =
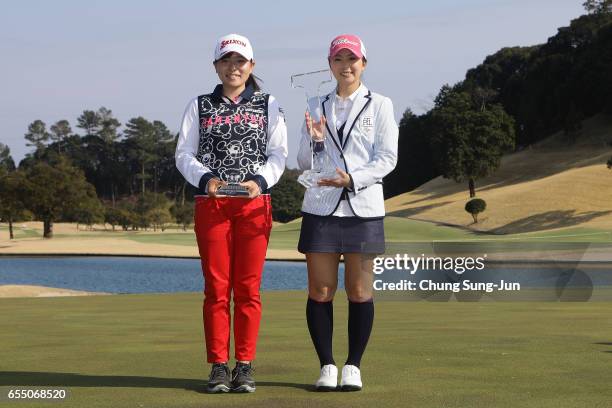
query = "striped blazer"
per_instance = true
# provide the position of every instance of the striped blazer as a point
(368, 153)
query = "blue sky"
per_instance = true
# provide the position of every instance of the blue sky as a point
(149, 58)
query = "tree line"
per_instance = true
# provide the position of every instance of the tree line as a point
(516, 97)
(122, 176)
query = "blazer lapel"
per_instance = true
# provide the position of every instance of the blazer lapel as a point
(362, 100)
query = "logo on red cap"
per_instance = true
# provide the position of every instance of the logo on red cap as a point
(344, 41)
(348, 41)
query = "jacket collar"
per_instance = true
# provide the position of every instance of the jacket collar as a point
(362, 99)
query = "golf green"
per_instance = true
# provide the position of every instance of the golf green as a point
(146, 351)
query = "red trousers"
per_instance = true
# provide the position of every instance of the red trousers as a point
(232, 235)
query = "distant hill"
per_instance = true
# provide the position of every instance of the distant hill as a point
(546, 88)
(552, 184)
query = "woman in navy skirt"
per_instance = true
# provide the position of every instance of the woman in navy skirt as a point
(343, 215)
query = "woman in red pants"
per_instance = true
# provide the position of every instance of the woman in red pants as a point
(235, 134)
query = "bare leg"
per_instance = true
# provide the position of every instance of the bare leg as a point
(322, 275)
(358, 276)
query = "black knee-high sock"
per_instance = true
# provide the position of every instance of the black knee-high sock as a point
(360, 320)
(320, 319)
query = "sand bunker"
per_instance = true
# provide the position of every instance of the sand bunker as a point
(12, 291)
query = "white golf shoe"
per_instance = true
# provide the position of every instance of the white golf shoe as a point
(351, 378)
(328, 381)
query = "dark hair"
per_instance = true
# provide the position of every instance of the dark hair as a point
(252, 81)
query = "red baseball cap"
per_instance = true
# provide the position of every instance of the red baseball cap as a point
(347, 41)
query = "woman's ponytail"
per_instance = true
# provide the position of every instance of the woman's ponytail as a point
(252, 81)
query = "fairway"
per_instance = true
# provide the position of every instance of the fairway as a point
(284, 238)
(146, 351)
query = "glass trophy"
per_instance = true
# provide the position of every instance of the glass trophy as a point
(233, 187)
(322, 165)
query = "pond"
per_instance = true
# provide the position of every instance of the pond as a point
(114, 274)
(134, 274)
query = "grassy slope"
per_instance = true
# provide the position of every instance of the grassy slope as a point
(553, 185)
(145, 350)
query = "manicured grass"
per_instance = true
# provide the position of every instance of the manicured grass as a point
(282, 237)
(19, 232)
(285, 236)
(397, 230)
(168, 238)
(569, 234)
(146, 350)
(402, 230)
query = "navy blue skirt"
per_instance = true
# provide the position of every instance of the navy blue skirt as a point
(341, 235)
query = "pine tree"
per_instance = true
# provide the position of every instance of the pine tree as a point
(469, 136)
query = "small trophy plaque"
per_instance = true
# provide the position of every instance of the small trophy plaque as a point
(233, 187)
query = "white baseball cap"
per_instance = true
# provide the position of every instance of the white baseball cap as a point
(233, 43)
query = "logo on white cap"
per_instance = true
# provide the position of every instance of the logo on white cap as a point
(233, 43)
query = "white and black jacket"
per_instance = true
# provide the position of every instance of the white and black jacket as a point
(368, 152)
(239, 141)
